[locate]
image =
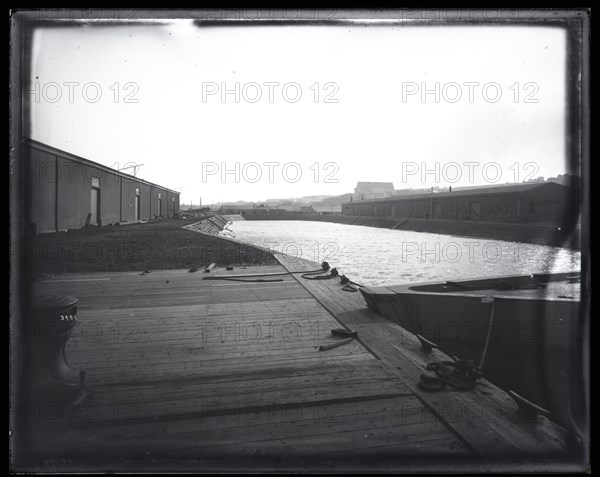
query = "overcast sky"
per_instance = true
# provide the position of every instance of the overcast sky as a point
(369, 121)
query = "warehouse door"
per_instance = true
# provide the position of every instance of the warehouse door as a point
(475, 210)
(95, 206)
(137, 205)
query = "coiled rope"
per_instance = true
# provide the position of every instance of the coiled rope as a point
(317, 274)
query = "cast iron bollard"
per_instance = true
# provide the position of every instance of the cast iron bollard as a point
(50, 376)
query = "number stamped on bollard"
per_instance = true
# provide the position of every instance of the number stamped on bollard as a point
(68, 317)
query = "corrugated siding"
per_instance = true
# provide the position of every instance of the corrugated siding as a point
(163, 194)
(176, 204)
(73, 194)
(541, 200)
(144, 201)
(128, 199)
(172, 204)
(110, 198)
(550, 204)
(40, 181)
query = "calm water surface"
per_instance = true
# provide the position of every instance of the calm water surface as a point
(373, 256)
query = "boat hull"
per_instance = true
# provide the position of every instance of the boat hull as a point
(532, 339)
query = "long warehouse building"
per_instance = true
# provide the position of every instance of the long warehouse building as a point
(546, 202)
(64, 191)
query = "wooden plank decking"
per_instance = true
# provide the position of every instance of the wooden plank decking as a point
(485, 417)
(185, 369)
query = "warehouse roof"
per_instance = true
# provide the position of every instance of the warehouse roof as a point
(485, 190)
(374, 187)
(67, 155)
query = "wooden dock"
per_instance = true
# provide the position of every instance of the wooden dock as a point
(192, 374)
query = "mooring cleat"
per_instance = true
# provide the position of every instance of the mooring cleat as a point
(528, 409)
(426, 345)
(345, 333)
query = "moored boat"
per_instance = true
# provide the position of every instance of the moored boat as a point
(523, 330)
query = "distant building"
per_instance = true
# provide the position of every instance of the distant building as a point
(564, 179)
(328, 209)
(539, 202)
(308, 210)
(234, 209)
(373, 190)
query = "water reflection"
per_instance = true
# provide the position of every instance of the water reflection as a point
(373, 256)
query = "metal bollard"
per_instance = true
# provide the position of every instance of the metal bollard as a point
(50, 376)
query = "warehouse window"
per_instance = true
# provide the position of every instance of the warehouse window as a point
(95, 182)
(531, 207)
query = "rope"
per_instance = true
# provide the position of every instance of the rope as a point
(248, 276)
(487, 338)
(317, 274)
(324, 267)
(461, 375)
(261, 280)
(348, 284)
(357, 284)
(312, 276)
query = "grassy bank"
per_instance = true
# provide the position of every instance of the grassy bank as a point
(136, 247)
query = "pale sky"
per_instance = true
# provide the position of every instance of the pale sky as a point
(372, 133)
